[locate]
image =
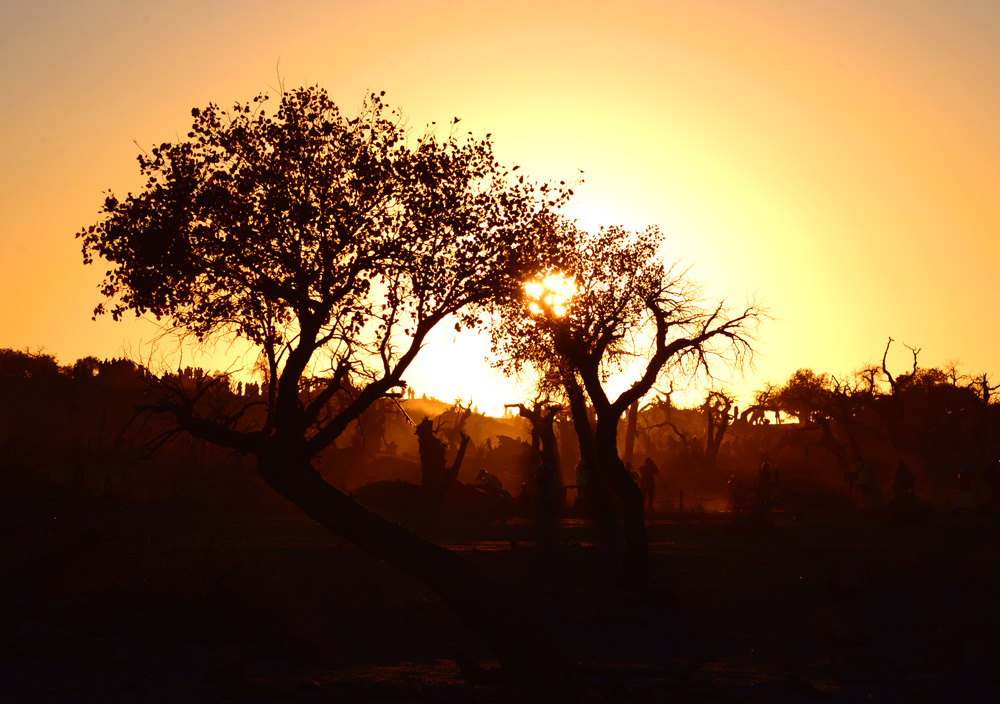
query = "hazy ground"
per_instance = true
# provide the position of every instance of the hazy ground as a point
(108, 601)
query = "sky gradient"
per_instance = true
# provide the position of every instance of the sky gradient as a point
(841, 159)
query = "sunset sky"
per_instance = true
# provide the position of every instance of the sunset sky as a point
(839, 158)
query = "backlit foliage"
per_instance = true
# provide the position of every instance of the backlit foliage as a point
(611, 305)
(332, 243)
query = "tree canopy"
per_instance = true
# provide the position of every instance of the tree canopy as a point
(333, 244)
(617, 305)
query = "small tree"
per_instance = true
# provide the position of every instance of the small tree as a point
(719, 415)
(617, 308)
(334, 245)
(826, 403)
(547, 478)
(542, 417)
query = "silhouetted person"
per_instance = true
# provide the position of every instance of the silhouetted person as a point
(965, 487)
(647, 482)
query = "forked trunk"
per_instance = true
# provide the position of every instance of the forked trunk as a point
(524, 649)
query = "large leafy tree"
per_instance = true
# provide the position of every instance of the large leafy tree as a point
(615, 317)
(333, 245)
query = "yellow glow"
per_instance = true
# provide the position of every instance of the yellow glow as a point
(550, 295)
(834, 157)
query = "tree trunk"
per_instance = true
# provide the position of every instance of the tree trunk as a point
(600, 500)
(550, 448)
(713, 441)
(452, 475)
(524, 649)
(566, 448)
(543, 440)
(581, 422)
(433, 469)
(634, 574)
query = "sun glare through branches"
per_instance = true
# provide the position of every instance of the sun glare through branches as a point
(550, 295)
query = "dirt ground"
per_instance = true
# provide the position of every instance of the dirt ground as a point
(107, 601)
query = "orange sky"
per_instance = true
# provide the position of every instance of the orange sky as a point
(841, 158)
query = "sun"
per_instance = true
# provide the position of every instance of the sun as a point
(550, 295)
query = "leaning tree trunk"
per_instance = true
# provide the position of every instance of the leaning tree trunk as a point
(634, 575)
(524, 649)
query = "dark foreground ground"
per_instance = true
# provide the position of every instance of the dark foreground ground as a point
(104, 601)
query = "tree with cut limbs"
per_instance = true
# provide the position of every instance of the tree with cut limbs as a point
(334, 245)
(618, 308)
(719, 415)
(547, 479)
(542, 417)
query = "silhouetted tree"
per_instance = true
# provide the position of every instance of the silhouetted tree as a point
(654, 417)
(453, 422)
(333, 245)
(984, 391)
(86, 367)
(547, 475)
(763, 401)
(25, 364)
(435, 474)
(542, 417)
(718, 410)
(828, 404)
(804, 396)
(895, 384)
(617, 307)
